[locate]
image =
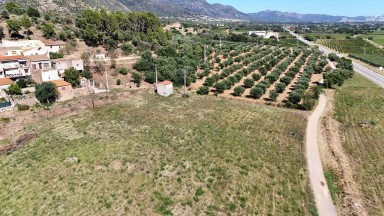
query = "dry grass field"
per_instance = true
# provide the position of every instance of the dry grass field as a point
(162, 156)
(360, 110)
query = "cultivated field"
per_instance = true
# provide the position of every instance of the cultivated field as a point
(157, 156)
(266, 74)
(357, 46)
(360, 109)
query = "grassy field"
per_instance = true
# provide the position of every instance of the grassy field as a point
(360, 109)
(157, 156)
(331, 35)
(379, 39)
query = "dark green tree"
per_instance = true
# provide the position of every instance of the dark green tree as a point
(2, 35)
(4, 15)
(11, 7)
(46, 92)
(238, 91)
(33, 12)
(249, 83)
(14, 89)
(22, 83)
(48, 30)
(256, 92)
(14, 26)
(72, 76)
(86, 74)
(26, 23)
(273, 95)
(136, 79)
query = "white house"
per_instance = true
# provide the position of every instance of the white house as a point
(24, 44)
(50, 75)
(10, 51)
(165, 88)
(100, 56)
(263, 34)
(53, 46)
(14, 66)
(40, 62)
(65, 63)
(34, 51)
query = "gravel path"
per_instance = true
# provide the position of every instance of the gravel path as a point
(323, 198)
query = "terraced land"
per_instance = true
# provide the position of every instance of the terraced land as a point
(360, 109)
(161, 156)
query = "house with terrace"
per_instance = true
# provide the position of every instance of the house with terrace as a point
(14, 66)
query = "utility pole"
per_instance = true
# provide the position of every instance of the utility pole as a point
(205, 54)
(185, 82)
(220, 41)
(106, 77)
(156, 76)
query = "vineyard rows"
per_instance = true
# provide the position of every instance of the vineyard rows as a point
(356, 46)
(374, 60)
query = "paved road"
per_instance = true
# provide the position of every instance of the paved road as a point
(374, 77)
(323, 198)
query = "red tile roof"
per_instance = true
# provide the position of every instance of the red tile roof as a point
(5, 81)
(38, 58)
(60, 83)
(165, 82)
(3, 58)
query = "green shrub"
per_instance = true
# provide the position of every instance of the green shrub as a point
(249, 83)
(14, 89)
(22, 107)
(136, 79)
(203, 90)
(122, 70)
(280, 87)
(238, 91)
(273, 95)
(220, 87)
(118, 82)
(257, 92)
(55, 55)
(127, 48)
(22, 83)
(256, 76)
(86, 74)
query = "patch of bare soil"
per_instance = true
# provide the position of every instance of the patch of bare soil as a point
(331, 140)
(17, 144)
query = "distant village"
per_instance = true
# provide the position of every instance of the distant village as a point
(30, 59)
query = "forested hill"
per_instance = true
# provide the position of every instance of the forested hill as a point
(170, 8)
(184, 7)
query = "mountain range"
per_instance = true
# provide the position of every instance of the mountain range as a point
(183, 8)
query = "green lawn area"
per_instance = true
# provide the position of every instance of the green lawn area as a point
(157, 156)
(360, 109)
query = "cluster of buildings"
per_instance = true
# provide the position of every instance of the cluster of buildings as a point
(264, 34)
(30, 58)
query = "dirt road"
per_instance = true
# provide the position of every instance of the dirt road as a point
(323, 198)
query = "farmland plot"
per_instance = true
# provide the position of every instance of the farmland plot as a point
(161, 156)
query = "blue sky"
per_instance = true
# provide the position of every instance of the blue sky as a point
(331, 7)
